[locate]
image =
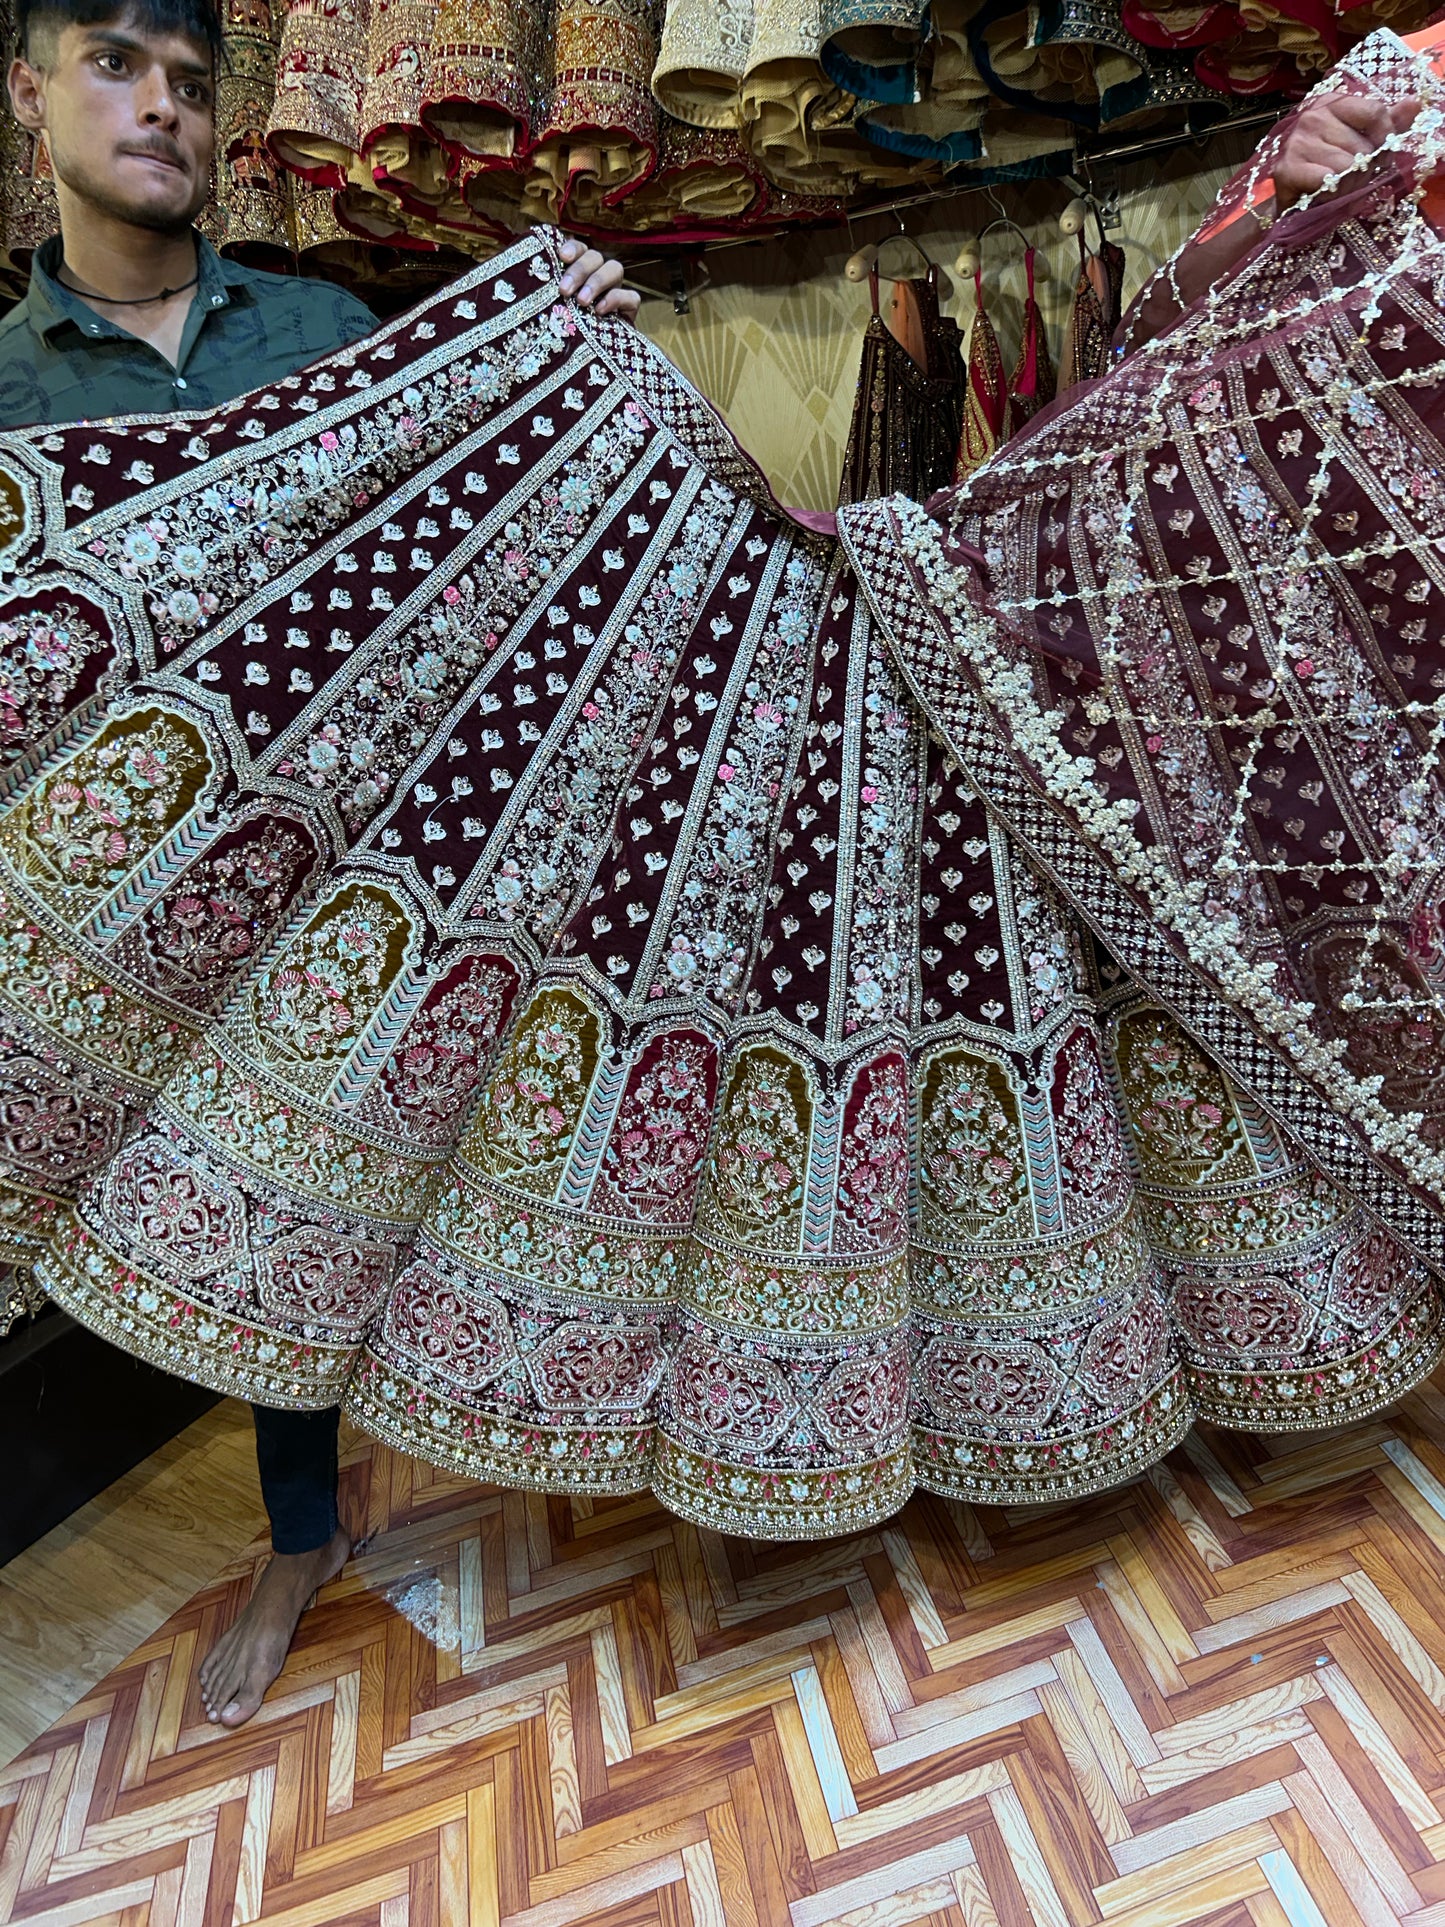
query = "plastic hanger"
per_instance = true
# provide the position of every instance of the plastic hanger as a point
(871, 259)
(970, 256)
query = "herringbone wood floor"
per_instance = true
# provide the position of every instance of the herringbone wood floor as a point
(1216, 1696)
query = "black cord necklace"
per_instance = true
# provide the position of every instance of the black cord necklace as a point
(134, 301)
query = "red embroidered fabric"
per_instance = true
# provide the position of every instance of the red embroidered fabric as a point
(985, 402)
(1031, 385)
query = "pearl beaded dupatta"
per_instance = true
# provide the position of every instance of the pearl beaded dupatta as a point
(1199, 673)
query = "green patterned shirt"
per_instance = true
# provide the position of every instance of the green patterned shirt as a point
(61, 361)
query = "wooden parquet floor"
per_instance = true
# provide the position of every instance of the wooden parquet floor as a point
(1216, 1696)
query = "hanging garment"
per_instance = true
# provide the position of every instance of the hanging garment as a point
(985, 402)
(1201, 681)
(1031, 385)
(944, 338)
(904, 434)
(1094, 315)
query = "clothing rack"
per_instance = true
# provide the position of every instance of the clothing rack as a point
(1086, 160)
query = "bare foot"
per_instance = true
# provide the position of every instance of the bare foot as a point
(239, 1669)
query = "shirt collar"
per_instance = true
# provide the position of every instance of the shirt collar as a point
(50, 306)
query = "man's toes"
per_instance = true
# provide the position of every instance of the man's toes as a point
(246, 1699)
(220, 1680)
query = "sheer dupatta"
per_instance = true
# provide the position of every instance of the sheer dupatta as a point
(1194, 672)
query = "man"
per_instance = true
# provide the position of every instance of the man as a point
(129, 311)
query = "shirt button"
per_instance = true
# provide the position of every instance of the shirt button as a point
(180, 381)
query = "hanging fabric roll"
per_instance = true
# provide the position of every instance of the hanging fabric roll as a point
(496, 193)
(323, 245)
(1009, 58)
(32, 213)
(1250, 66)
(28, 211)
(1018, 147)
(925, 131)
(249, 213)
(789, 106)
(957, 85)
(1180, 23)
(1258, 47)
(599, 138)
(474, 226)
(872, 47)
(503, 50)
(930, 102)
(921, 94)
(1173, 96)
(403, 158)
(315, 124)
(1308, 32)
(756, 65)
(705, 180)
(799, 124)
(367, 210)
(1071, 58)
(481, 79)
(1071, 33)
(701, 61)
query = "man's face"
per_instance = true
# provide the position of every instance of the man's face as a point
(128, 116)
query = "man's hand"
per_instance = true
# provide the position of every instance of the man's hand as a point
(1331, 133)
(597, 282)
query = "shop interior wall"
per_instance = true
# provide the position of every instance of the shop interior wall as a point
(773, 336)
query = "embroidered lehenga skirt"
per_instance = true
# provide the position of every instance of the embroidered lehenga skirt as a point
(487, 936)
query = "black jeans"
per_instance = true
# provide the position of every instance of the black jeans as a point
(296, 1456)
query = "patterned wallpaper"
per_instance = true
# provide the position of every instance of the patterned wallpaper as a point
(774, 340)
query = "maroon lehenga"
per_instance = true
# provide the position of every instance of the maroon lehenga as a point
(486, 934)
(907, 412)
